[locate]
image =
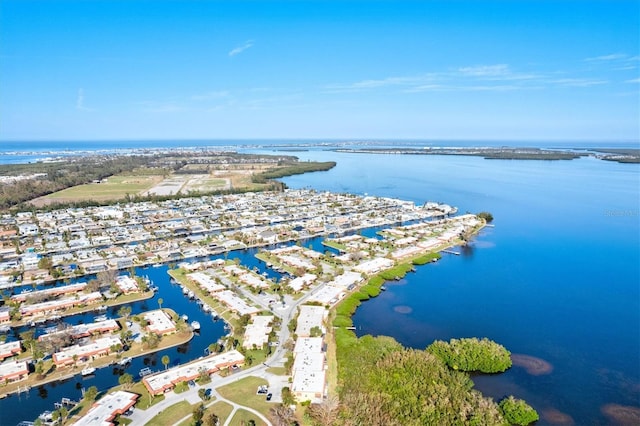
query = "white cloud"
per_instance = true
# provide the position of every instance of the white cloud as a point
(485, 70)
(210, 95)
(236, 51)
(578, 82)
(80, 101)
(604, 58)
(633, 80)
(153, 106)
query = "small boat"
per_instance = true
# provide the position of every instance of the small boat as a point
(124, 361)
(185, 317)
(185, 290)
(191, 294)
(145, 372)
(88, 371)
(195, 325)
(383, 288)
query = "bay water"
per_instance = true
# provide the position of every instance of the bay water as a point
(556, 278)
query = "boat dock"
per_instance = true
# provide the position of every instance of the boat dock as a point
(451, 252)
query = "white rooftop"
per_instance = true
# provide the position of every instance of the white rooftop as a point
(10, 368)
(106, 409)
(308, 345)
(96, 346)
(174, 375)
(310, 316)
(159, 322)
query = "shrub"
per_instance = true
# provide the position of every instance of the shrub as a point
(518, 412)
(472, 354)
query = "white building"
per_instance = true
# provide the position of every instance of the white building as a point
(309, 317)
(106, 409)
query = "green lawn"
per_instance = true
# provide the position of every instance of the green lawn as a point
(143, 401)
(172, 414)
(115, 187)
(243, 392)
(242, 417)
(279, 371)
(221, 409)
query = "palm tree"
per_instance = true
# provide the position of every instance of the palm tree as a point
(165, 361)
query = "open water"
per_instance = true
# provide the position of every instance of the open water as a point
(557, 278)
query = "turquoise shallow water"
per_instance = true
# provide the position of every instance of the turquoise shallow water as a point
(558, 277)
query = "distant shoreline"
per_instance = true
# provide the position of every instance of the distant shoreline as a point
(620, 155)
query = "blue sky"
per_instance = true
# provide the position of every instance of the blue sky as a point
(507, 70)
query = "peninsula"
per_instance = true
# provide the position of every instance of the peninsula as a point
(287, 318)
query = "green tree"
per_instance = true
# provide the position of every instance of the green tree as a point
(91, 394)
(64, 412)
(488, 217)
(165, 361)
(287, 396)
(198, 413)
(124, 312)
(518, 412)
(39, 369)
(126, 380)
(472, 354)
(315, 331)
(211, 420)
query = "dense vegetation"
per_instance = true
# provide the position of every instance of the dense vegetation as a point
(518, 412)
(61, 175)
(487, 153)
(73, 171)
(429, 257)
(488, 217)
(472, 354)
(292, 168)
(383, 383)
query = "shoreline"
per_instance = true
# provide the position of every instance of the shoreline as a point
(102, 362)
(95, 307)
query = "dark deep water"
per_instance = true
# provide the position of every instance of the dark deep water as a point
(557, 278)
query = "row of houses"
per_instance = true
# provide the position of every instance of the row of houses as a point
(166, 380)
(99, 238)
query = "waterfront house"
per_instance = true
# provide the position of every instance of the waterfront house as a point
(84, 353)
(257, 332)
(13, 371)
(107, 408)
(5, 314)
(159, 322)
(9, 349)
(166, 380)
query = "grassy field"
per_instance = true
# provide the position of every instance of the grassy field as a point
(221, 409)
(145, 398)
(114, 188)
(172, 414)
(242, 417)
(243, 392)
